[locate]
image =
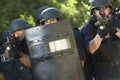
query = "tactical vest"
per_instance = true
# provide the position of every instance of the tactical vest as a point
(109, 50)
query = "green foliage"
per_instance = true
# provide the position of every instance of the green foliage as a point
(75, 10)
(1, 77)
(117, 3)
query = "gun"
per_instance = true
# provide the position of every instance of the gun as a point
(111, 18)
(9, 44)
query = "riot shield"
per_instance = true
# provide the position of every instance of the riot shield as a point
(53, 52)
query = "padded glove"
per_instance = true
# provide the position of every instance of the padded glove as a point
(102, 31)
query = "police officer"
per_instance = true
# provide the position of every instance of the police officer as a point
(101, 39)
(7, 64)
(47, 15)
(18, 27)
(11, 60)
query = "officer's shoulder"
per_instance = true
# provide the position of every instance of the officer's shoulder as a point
(86, 26)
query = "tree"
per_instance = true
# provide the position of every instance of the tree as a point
(76, 10)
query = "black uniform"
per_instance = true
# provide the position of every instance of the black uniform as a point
(14, 69)
(89, 65)
(26, 72)
(107, 57)
(79, 43)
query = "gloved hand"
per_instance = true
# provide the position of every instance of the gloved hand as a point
(14, 54)
(106, 26)
(102, 31)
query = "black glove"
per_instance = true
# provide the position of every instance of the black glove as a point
(15, 54)
(106, 26)
(102, 31)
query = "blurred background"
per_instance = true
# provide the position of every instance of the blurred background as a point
(76, 10)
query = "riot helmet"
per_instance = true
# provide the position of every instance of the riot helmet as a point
(97, 3)
(38, 13)
(19, 24)
(50, 13)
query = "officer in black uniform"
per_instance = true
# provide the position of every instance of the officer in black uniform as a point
(18, 27)
(16, 67)
(12, 62)
(47, 15)
(102, 40)
(8, 65)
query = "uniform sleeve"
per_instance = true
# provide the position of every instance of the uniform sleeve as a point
(117, 22)
(79, 43)
(88, 32)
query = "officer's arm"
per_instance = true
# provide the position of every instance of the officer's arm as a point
(95, 44)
